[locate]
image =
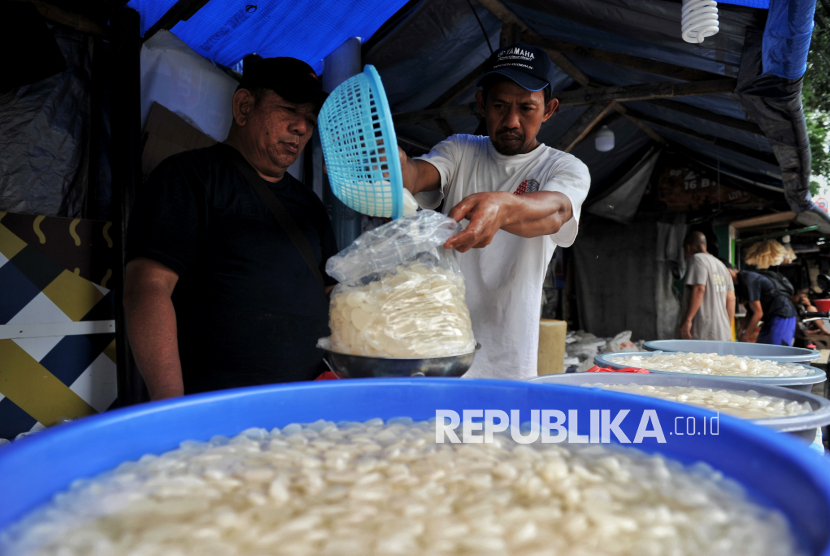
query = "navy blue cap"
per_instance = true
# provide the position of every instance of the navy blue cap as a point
(528, 66)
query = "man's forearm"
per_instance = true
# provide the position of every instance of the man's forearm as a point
(752, 324)
(418, 175)
(695, 300)
(537, 214)
(151, 325)
(730, 309)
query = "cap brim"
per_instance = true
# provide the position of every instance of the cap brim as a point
(521, 79)
(314, 96)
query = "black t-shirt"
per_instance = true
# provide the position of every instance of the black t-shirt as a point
(249, 310)
(757, 287)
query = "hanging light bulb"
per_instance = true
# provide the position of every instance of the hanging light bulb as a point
(699, 19)
(604, 139)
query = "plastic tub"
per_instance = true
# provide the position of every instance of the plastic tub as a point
(822, 304)
(803, 426)
(803, 383)
(783, 354)
(779, 471)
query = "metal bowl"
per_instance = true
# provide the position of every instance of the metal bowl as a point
(361, 366)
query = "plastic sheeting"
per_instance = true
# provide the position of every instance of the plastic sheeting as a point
(225, 32)
(173, 75)
(622, 285)
(43, 136)
(648, 29)
(775, 104)
(621, 201)
(787, 37)
(451, 44)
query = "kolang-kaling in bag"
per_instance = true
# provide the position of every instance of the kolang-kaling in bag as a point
(401, 293)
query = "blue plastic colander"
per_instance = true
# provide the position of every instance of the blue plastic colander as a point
(360, 147)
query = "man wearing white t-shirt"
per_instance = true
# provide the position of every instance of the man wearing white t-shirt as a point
(521, 198)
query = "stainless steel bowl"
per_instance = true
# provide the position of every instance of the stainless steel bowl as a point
(361, 366)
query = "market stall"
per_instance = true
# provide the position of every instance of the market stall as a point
(677, 135)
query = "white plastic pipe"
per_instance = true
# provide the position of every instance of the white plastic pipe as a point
(698, 20)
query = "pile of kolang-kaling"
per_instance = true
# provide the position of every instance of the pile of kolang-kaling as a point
(712, 364)
(401, 293)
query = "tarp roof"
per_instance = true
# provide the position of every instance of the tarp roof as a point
(225, 32)
(429, 46)
(451, 43)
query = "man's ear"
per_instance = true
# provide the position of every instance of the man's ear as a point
(242, 103)
(480, 102)
(550, 108)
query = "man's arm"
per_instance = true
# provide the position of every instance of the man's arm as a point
(695, 299)
(529, 215)
(418, 175)
(730, 307)
(819, 323)
(757, 313)
(151, 326)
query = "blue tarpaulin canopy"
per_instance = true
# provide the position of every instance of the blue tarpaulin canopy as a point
(225, 32)
(432, 44)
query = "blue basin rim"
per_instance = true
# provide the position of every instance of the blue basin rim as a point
(819, 417)
(816, 375)
(777, 470)
(784, 354)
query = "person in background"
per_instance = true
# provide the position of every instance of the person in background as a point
(709, 295)
(813, 330)
(217, 295)
(766, 304)
(521, 198)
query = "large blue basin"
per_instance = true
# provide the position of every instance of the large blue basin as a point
(777, 470)
(783, 354)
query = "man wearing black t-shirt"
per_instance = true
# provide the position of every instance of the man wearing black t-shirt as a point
(217, 295)
(768, 304)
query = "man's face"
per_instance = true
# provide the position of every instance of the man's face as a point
(514, 116)
(279, 129)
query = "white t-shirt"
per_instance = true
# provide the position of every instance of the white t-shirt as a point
(504, 279)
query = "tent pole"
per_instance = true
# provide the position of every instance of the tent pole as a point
(126, 175)
(341, 64)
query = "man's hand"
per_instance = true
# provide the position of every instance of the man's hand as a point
(486, 214)
(529, 215)
(686, 330)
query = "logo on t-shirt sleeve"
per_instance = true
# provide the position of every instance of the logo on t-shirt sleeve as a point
(527, 186)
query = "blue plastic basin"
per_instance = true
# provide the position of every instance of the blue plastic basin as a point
(784, 354)
(777, 470)
(804, 383)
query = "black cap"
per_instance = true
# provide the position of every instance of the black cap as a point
(529, 67)
(292, 79)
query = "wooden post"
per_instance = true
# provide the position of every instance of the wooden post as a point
(510, 33)
(647, 129)
(725, 144)
(497, 8)
(583, 126)
(180, 11)
(125, 117)
(341, 64)
(645, 91)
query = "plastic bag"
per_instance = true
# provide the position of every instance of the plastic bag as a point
(621, 342)
(401, 294)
